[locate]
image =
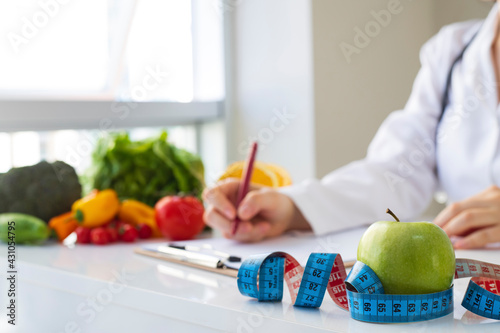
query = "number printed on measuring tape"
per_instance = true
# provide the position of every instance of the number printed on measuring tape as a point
(361, 292)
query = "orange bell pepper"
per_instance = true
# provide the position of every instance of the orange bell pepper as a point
(63, 225)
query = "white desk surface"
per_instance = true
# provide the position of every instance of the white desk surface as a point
(64, 289)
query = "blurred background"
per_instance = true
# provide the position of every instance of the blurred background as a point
(311, 80)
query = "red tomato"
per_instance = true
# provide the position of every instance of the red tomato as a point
(112, 233)
(144, 230)
(99, 236)
(179, 218)
(117, 224)
(128, 233)
(82, 235)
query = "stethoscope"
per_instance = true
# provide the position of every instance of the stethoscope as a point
(446, 95)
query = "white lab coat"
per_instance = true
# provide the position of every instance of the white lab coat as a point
(406, 162)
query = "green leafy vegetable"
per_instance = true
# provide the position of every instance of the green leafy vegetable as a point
(145, 170)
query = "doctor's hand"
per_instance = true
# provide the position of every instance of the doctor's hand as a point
(263, 212)
(476, 218)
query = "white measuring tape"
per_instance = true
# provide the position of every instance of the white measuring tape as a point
(261, 277)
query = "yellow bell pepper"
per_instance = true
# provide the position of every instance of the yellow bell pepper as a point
(136, 212)
(96, 209)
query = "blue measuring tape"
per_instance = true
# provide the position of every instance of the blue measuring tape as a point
(361, 292)
(261, 277)
(367, 301)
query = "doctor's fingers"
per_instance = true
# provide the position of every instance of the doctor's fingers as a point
(456, 208)
(257, 201)
(216, 220)
(471, 219)
(479, 238)
(249, 232)
(221, 196)
(246, 232)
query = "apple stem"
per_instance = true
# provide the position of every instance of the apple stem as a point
(388, 211)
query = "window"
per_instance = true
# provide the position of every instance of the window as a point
(72, 70)
(141, 50)
(75, 146)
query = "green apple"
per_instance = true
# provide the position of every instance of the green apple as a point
(408, 257)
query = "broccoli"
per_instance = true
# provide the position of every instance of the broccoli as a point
(43, 190)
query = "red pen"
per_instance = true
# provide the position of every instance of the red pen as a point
(245, 184)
